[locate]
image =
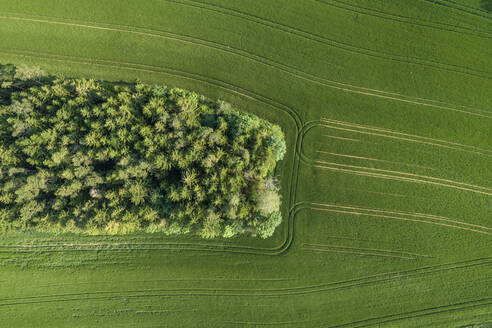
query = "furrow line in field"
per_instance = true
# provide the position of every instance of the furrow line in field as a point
(259, 59)
(406, 19)
(333, 43)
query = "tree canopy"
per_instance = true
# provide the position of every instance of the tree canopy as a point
(94, 156)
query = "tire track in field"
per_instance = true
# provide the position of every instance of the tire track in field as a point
(406, 19)
(421, 178)
(254, 292)
(402, 216)
(432, 141)
(341, 138)
(378, 193)
(415, 314)
(393, 177)
(362, 251)
(368, 249)
(256, 324)
(374, 159)
(389, 174)
(347, 252)
(436, 217)
(454, 5)
(331, 42)
(325, 124)
(268, 62)
(230, 88)
(470, 7)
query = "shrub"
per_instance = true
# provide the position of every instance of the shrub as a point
(276, 141)
(266, 228)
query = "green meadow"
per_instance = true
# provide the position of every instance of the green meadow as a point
(386, 185)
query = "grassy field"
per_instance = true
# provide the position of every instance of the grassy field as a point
(387, 184)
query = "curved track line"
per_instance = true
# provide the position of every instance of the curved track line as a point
(262, 60)
(330, 42)
(224, 86)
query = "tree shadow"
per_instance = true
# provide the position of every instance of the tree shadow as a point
(486, 5)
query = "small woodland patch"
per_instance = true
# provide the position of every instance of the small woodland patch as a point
(98, 157)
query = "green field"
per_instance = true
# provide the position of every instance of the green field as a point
(387, 183)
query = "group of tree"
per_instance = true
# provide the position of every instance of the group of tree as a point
(94, 156)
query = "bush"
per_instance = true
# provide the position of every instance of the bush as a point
(276, 141)
(266, 228)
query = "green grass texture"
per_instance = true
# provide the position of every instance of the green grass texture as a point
(387, 183)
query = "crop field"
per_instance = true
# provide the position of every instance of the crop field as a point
(386, 185)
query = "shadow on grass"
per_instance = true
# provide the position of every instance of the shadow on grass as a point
(486, 5)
